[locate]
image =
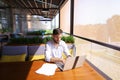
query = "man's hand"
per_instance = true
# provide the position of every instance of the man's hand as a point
(57, 60)
(63, 61)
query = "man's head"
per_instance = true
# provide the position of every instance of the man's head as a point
(57, 34)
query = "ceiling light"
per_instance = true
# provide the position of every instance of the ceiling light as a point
(45, 10)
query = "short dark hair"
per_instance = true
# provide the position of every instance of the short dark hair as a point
(57, 31)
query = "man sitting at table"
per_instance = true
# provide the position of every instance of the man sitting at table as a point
(55, 48)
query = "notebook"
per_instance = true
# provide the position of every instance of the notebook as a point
(71, 63)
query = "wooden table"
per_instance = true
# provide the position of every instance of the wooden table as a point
(26, 71)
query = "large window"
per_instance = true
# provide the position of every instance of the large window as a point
(55, 22)
(4, 20)
(36, 23)
(97, 19)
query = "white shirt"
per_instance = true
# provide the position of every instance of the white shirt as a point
(52, 51)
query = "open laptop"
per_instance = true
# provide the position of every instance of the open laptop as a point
(71, 63)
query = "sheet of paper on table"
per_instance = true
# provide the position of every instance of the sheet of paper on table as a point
(47, 69)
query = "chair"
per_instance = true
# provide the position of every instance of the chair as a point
(3, 38)
(13, 53)
(72, 49)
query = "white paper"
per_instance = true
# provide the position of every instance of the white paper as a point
(47, 69)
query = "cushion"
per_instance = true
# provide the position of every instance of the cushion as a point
(36, 57)
(36, 50)
(13, 58)
(14, 50)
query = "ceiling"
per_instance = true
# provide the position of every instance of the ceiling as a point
(45, 8)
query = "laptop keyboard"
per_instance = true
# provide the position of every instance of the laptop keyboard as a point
(60, 64)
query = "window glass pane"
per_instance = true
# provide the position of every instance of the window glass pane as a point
(55, 22)
(98, 20)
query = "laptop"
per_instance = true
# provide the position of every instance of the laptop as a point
(71, 63)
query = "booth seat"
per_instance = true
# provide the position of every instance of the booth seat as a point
(13, 53)
(36, 52)
(28, 52)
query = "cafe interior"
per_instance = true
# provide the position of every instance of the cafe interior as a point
(91, 28)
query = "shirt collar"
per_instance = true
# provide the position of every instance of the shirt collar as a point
(58, 44)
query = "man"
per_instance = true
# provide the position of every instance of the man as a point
(55, 47)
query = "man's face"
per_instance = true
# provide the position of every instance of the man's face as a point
(57, 38)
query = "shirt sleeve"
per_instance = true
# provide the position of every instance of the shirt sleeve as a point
(66, 50)
(47, 52)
